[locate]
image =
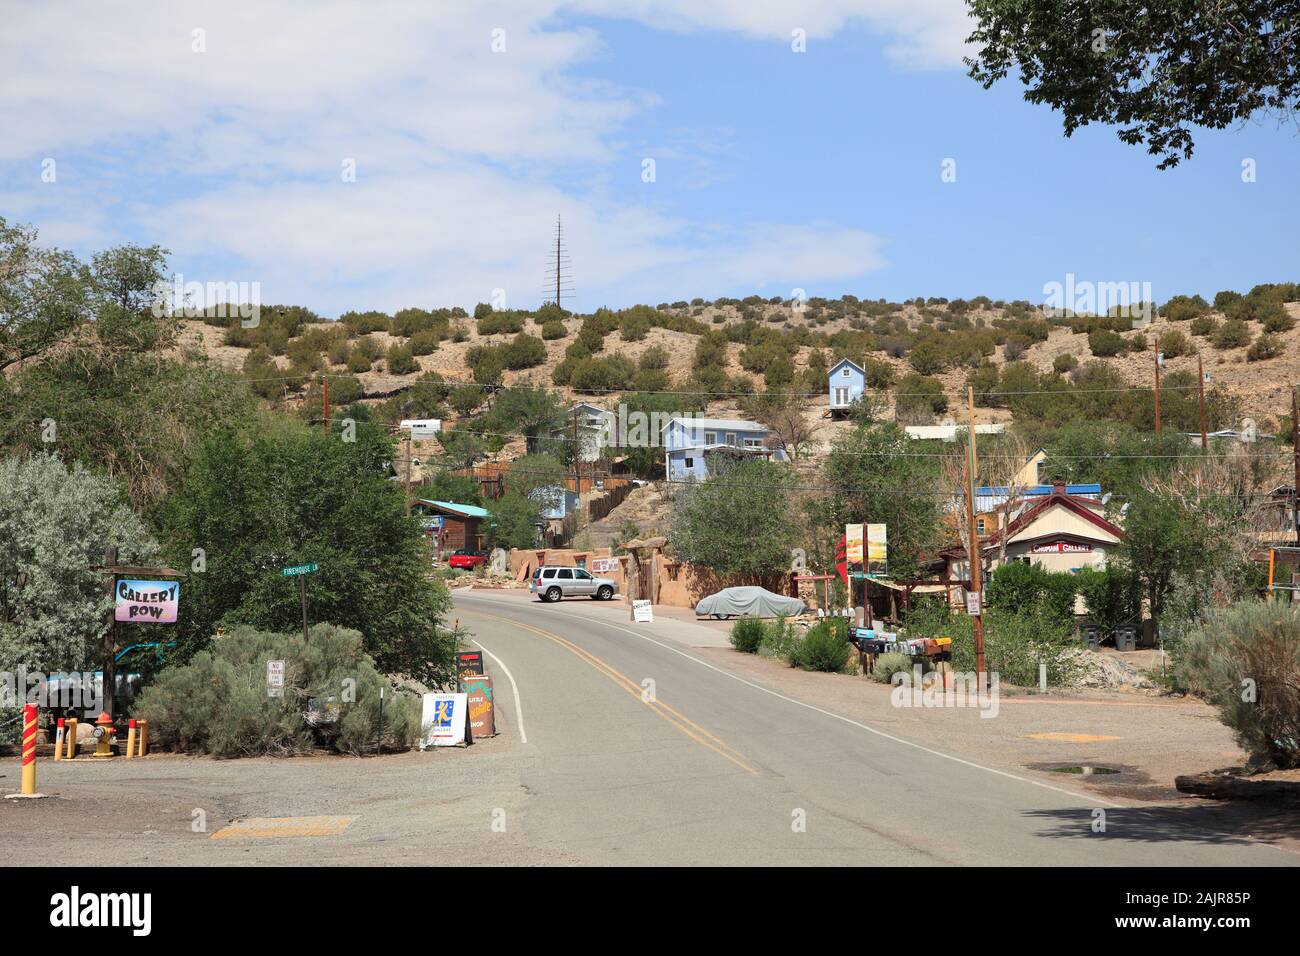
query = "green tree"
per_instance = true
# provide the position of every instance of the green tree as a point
(43, 295)
(1152, 69)
(293, 495)
(740, 522)
(874, 475)
(55, 524)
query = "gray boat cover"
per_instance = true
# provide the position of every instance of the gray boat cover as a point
(756, 601)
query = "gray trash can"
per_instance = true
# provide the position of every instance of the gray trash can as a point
(1126, 638)
(1091, 636)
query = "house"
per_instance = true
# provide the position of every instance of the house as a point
(595, 427)
(948, 431)
(687, 439)
(450, 526)
(990, 501)
(1059, 530)
(845, 384)
(555, 502)
(1031, 472)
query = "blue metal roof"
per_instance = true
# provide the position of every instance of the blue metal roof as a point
(1035, 490)
(469, 511)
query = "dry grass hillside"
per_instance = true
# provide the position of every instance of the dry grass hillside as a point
(883, 333)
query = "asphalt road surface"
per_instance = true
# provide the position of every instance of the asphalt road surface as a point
(641, 752)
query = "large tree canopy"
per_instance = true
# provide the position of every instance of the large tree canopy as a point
(1153, 69)
(293, 495)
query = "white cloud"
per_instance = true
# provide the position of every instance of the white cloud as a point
(234, 154)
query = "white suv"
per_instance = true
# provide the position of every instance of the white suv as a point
(552, 584)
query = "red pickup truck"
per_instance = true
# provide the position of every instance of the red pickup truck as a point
(467, 560)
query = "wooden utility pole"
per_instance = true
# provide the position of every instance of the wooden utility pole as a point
(325, 402)
(1295, 452)
(974, 553)
(1157, 385)
(557, 262)
(1200, 389)
(110, 630)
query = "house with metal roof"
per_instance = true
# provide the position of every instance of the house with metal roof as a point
(449, 525)
(688, 439)
(846, 383)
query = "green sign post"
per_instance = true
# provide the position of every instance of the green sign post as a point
(300, 571)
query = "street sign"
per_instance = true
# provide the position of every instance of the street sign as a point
(973, 603)
(294, 570)
(275, 678)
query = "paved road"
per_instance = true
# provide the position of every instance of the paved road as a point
(638, 751)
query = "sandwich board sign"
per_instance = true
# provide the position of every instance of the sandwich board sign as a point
(643, 612)
(482, 717)
(443, 720)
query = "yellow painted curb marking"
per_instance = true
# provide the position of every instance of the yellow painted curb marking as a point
(263, 828)
(678, 720)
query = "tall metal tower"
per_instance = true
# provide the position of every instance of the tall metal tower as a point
(559, 272)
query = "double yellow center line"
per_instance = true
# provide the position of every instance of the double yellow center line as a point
(677, 719)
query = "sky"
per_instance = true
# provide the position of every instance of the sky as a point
(385, 154)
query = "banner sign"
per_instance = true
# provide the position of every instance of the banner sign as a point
(482, 715)
(877, 551)
(604, 565)
(854, 547)
(442, 720)
(150, 602)
(1061, 547)
(421, 428)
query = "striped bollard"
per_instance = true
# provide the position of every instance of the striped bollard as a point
(58, 739)
(29, 750)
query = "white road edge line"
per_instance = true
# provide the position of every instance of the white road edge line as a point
(847, 720)
(519, 708)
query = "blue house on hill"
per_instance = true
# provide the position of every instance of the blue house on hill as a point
(845, 383)
(687, 439)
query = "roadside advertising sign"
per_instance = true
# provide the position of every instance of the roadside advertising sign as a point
(643, 612)
(877, 551)
(482, 713)
(854, 547)
(443, 720)
(149, 602)
(421, 428)
(469, 663)
(604, 565)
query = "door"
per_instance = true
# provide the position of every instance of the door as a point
(841, 395)
(583, 583)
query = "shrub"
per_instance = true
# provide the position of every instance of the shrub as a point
(1015, 349)
(919, 396)
(423, 343)
(357, 361)
(887, 665)
(1103, 343)
(825, 647)
(493, 323)
(780, 641)
(747, 634)
(1231, 334)
(878, 374)
(1259, 643)
(523, 351)
(1064, 363)
(1267, 346)
(218, 704)
(1204, 325)
(401, 361)
(1175, 344)
(553, 329)
(1278, 320)
(1181, 308)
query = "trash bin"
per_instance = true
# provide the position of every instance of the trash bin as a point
(1091, 636)
(1126, 638)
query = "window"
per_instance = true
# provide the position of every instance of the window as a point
(753, 443)
(979, 526)
(731, 438)
(581, 575)
(564, 574)
(845, 373)
(710, 438)
(690, 462)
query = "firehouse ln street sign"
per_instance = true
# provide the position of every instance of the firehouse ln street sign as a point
(297, 569)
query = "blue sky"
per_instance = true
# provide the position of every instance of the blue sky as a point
(775, 170)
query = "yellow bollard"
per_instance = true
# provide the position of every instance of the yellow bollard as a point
(72, 737)
(130, 738)
(29, 750)
(58, 740)
(144, 737)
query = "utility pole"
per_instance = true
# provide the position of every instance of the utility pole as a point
(110, 631)
(325, 402)
(1295, 450)
(1200, 389)
(561, 267)
(557, 262)
(1157, 385)
(974, 553)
